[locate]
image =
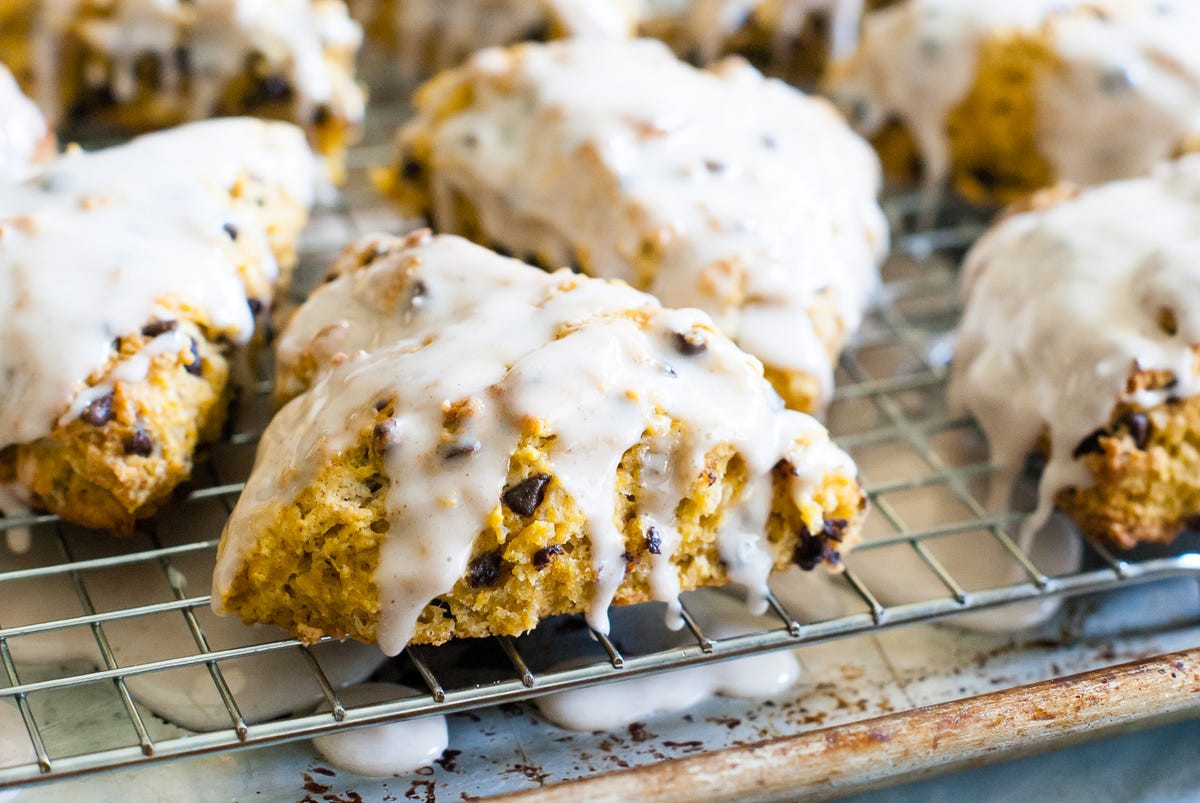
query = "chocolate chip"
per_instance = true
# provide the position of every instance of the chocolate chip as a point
(542, 558)
(256, 306)
(653, 542)
(385, 434)
(453, 451)
(1090, 445)
(156, 328)
(689, 344)
(713, 166)
(484, 571)
(381, 405)
(417, 294)
(784, 467)
(1138, 426)
(527, 495)
(835, 529)
(196, 366)
(411, 170)
(628, 556)
(322, 115)
(813, 550)
(1191, 522)
(231, 230)
(99, 412)
(139, 444)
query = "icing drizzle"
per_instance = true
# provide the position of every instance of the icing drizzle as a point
(1062, 304)
(1124, 93)
(23, 130)
(748, 199)
(597, 364)
(93, 244)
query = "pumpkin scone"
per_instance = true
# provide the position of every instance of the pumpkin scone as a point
(717, 189)
(1003, 97)
(1080, 340)
(139, 66)
(477, 445)
(127, 278)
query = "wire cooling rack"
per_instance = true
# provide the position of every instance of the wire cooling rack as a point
(890, 399)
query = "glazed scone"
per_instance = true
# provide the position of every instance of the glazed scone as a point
(497, 444)
(432, 35)
(1080, 339)
(1002, 97)
(127, 276)
(140, 66)
(24, 136)
(715, 189)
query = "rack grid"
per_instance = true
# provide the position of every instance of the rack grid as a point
(890, 392)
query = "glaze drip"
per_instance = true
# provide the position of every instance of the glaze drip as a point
(23, 130)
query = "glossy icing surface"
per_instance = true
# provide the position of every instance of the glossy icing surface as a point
(595, 364)
(1065, 303)
(716, 189)
(93, 244)
(22, 129)
(1123, 93)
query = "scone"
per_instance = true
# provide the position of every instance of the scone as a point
(717, 189)
(24, 136)
(1001, 98)
(1080, 339)
(127, 277)
(140, 66)
(431, 35)
(479, 444)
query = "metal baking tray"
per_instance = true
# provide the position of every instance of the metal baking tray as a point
(858, 717)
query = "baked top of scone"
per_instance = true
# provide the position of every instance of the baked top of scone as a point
(94, 246)
(23, 129)
(1114, 84)
(718, 189)
(1082, 319)
(451, 373)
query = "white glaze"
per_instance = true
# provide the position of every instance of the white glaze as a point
(13, 505)
(1063, 303)
(300, 38)
(92, 243)
(709, 24)
(1124, 94)
(615, 705)
(758, 197)
(23, 130)
(448, 31)
(393, 749)
(485, 331)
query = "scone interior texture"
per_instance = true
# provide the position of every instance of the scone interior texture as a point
(127, 275)
(478, 444)
(716, 189)
(1080, 338)
(143, 65)
(1003, 97)
(25, 137)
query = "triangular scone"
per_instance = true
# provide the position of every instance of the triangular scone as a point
(716, 189)
(511, 444)
(24, 136)
(1002, 98)
(139, 66)
(126, 277)
(1080, 338)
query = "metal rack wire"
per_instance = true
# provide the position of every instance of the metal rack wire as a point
(916, 310)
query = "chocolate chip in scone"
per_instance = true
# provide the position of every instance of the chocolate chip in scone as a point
(542, 558)
(231, 230)
(322, 114)
(653, 542)
(99, 412)
(813, 550)
(418, 292)
(714, 166)
(385, 435)
(690, 343)
(628, 556)
(835, 529)
(411, 170)
(527, 495)
(1138, 426)
(156, 328)
(1090, 444)
(484, 571)
(196, 366)
(452, 451)
(256, 306)
(139, 443)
